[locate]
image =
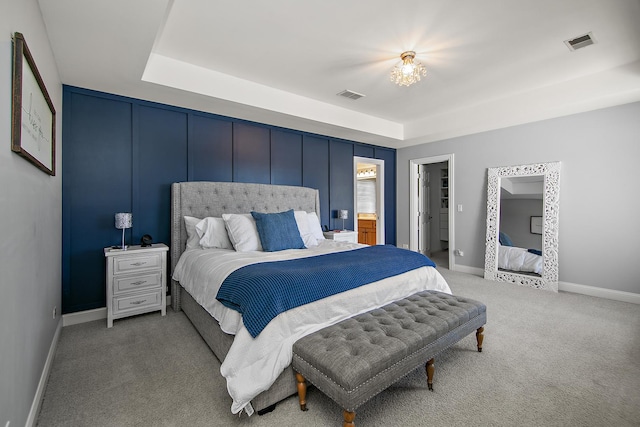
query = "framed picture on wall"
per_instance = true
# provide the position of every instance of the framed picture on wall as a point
(536, 225)
(33, 124)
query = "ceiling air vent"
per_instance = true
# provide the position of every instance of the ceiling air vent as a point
(580, 42)
(350, 94)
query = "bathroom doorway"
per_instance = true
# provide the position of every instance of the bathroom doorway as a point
(369, 200)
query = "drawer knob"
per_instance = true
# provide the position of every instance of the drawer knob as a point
(137, 302)
(138, 263)
(139, 282)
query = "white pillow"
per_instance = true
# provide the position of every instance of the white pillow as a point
(193, 240)
(314, 226)
(213, 233)
(243, 232)
(305, 231)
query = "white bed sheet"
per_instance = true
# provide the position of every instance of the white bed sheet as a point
(253, 364)
(519, 259)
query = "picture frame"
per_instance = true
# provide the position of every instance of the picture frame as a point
(33, 125)
(536, 225)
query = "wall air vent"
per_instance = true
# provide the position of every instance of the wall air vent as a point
(350, 94)
(580, 42)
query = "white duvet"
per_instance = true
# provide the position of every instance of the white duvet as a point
(253, 364)
(519, 259)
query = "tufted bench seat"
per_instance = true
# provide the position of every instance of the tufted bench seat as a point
(357, 358)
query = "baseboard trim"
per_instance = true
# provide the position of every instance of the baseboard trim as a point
(599, 292)
(90, 315)
(44, 377)
(469, 270)
(575, 288)
(84, 316)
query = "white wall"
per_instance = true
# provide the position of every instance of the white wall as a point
(597, 247)
(30, 226)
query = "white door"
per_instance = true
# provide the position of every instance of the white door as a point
(424, 212)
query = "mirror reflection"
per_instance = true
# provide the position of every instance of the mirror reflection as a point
(520, 235)
(522, 225)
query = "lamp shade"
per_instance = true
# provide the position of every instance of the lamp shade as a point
(343, 214)
(124, 220)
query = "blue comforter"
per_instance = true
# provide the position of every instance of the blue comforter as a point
(262, 291)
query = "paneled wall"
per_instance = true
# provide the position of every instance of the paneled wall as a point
(122, 154)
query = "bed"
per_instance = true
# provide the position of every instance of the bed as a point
(215, 199)
(520, 260)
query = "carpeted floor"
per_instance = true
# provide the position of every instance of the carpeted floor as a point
(548, 360)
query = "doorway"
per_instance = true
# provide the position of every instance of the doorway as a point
(431, 219)
(368, 204)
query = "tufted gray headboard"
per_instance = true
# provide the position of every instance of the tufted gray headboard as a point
(204, 199)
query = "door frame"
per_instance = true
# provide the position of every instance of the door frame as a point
(413, 202)
(380, 229)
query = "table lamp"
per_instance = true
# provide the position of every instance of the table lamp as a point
(124, 221)
(343, 214)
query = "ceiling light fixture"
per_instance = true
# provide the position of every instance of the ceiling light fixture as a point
(408, 72)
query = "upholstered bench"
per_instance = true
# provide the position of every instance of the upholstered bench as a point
(357, 358)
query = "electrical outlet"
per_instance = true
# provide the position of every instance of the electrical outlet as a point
(55, 311)
(405, 246)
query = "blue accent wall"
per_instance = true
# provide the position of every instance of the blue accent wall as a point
(121, 154)
(316, 152)
(251, 153)
(341, 182)
(286, 158)
(210, 149)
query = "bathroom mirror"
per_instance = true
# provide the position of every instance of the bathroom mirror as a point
(522, 225)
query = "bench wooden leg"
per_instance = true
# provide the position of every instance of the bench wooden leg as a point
(302, 391)
(430, 370)
(348, 419)
(480, 337)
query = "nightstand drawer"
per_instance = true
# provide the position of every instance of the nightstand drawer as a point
(137, 282)
(136, 263)
(136, 302)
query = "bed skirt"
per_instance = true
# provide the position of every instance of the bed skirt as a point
(220, 342)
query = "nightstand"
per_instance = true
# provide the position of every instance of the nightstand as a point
(342, 236)
(136, 281)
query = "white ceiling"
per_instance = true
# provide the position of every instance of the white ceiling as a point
(522, 187)
(490, 63)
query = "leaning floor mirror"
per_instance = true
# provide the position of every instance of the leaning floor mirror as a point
(522, 225)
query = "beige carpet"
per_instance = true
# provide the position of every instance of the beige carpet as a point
(548, 360)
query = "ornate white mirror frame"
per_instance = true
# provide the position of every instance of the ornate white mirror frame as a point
(549, 277)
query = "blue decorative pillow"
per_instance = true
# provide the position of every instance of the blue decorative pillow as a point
(504, 239)
(278, 231)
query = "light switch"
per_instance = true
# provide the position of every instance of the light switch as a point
(460, 208)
